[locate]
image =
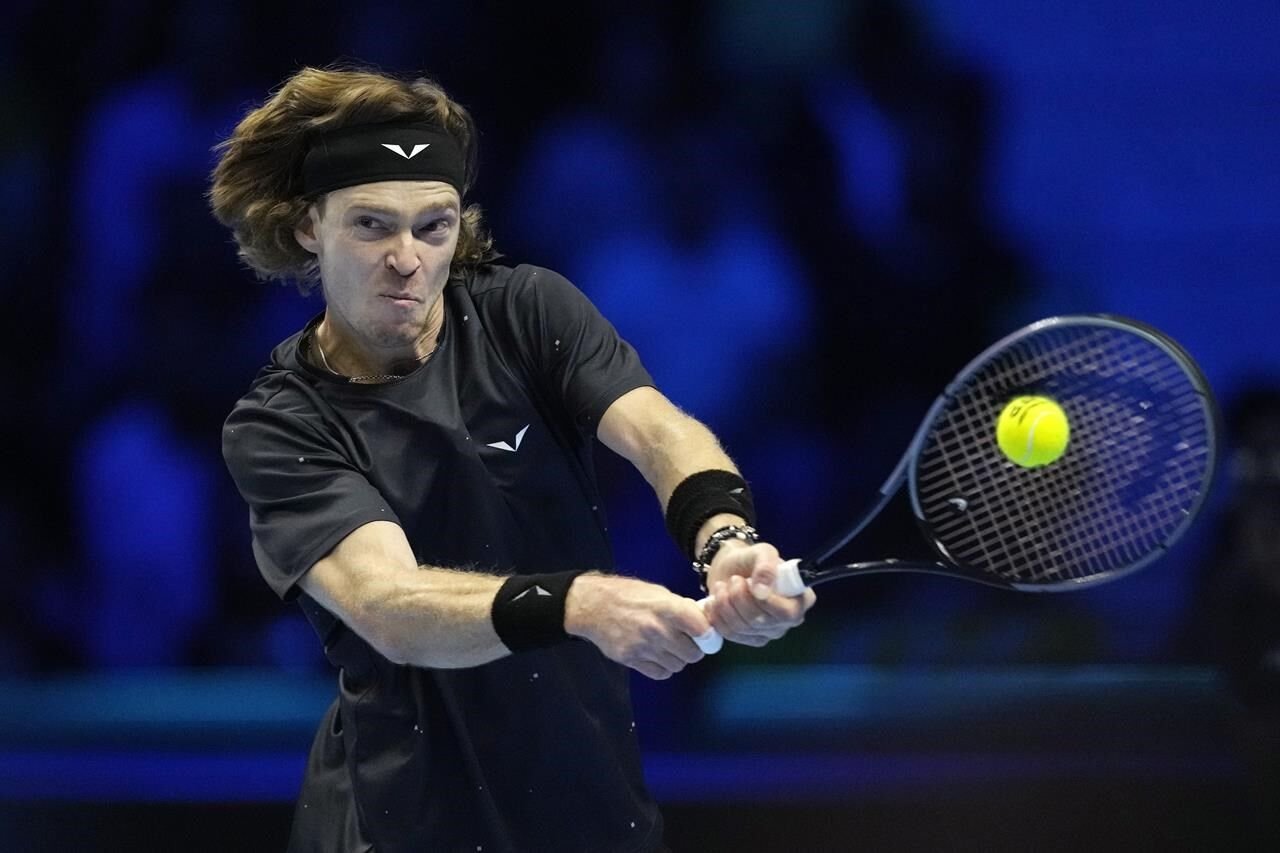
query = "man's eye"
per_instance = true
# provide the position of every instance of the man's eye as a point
(436, 226)
(368, 222)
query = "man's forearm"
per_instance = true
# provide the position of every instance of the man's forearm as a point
(438, 618)
(680, 447)
(666, 446)
(411, 614)
(689, 449)
(429, 616)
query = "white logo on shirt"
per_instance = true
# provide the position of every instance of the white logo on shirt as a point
(417, 149)
(502, 445)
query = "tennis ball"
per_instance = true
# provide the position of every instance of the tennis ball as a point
(1033, 431)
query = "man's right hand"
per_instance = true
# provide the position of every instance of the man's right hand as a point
(638, 624)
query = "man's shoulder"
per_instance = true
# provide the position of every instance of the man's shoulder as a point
(513, 282)
(271, 390)
(280, 388)
(280, 409)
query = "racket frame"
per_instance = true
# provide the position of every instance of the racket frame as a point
(823, 568)
(794, 576)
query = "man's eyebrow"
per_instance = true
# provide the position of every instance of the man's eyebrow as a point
(370, 207)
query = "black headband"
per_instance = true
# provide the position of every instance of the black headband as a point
(367, 153)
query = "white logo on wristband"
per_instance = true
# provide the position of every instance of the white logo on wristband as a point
(535, 588)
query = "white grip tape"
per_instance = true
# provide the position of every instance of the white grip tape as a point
(788, 583)
(711, 641)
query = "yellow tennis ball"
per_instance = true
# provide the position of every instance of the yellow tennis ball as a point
(1033, 431)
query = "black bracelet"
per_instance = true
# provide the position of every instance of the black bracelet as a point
(711, 547)
(701, 496)
(528, 611)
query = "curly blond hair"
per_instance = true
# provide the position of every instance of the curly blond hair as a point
(257, 185)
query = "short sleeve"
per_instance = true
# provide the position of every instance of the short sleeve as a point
(304, 496)
(577, 351)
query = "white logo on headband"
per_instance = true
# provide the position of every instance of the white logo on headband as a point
(417, 149)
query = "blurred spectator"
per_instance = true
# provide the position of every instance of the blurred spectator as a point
(1242, 595)
(138, 138)
(142, 496)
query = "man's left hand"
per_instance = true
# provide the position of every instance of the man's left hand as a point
(743, 607)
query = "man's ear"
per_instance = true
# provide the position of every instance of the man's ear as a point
(305, 231)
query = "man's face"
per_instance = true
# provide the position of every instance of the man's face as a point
(384, 251)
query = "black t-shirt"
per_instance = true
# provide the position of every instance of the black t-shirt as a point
(483, 456)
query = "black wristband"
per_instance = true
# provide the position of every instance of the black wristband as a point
(702, 495)
(528, 611)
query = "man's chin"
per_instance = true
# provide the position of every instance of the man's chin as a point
(399, 336)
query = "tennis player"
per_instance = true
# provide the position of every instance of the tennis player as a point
(417, 462)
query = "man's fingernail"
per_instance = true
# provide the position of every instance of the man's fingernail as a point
(760, 590)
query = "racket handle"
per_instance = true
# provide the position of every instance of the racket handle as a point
(788, 583)
(711, 641)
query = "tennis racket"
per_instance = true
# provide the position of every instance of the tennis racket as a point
(1138, 464)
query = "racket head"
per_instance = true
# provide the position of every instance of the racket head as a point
(1138, 466)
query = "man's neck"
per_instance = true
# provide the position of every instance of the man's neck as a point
(341, 352)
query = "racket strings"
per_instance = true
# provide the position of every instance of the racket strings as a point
(1135, 468)
(1116, 537)
(1128, 446)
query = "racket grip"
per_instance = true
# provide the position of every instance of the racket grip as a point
(789, 582)
(711, 641)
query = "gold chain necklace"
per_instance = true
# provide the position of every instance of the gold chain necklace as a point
(368, 378)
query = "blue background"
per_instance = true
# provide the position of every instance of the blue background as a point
(805, 216)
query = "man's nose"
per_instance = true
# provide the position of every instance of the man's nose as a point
(402, 258)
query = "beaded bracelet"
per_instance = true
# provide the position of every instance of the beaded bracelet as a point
(744, 532)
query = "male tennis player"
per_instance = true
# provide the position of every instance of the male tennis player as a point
(417, 464)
